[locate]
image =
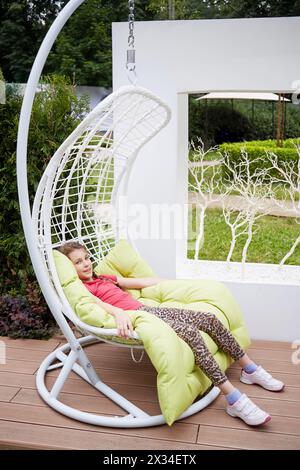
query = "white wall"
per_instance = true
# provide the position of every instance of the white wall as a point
(270, 311)
(179, 57)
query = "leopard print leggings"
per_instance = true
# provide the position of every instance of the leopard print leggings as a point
(187, 323)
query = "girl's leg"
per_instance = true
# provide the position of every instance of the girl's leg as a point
(209, 323)
(239, 405)
(245, 362)
(203, 357)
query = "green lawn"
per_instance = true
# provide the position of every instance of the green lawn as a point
(273, 240)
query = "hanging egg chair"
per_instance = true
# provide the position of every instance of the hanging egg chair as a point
(88, 173)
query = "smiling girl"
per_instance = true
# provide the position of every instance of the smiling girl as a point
(109, 294)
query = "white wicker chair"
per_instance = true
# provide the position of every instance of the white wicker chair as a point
(87, 175)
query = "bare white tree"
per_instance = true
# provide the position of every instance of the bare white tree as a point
(206, 185)
(238, 224)
(249, 180)
(288, 176)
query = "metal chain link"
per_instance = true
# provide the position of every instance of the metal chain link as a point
(130, 64)
(131, 23)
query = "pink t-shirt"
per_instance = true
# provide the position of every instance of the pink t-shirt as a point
(107, 290)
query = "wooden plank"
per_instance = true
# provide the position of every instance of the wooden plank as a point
(288, 378)
(131, 392)
(98, 361)
(272, 406)
(51, 437)
(265, 344)
(182, 432)
(114, 376)
(7, 393)
(28, 355)
(14, 379)
(276, 366)
(246, 439)
(35, 344)
(22, 367)
(255, 391)
(271, 354)
(213, 417)
(120, 363)
(137, 392)
(99, 404)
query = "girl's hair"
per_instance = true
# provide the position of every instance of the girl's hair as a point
(68, 247)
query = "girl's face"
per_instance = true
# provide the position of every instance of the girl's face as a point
(81, 260)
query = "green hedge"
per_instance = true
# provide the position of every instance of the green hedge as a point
(259, 148)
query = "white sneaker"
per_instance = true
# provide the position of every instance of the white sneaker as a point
(245, 409)
(263, 378)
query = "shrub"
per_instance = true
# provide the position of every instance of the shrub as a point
(256, 149)
(56, 112)
(25, 317)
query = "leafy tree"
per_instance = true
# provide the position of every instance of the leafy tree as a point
(262, 8)
(23, 26)
(192, 9)
(183, 9)
(83, 50)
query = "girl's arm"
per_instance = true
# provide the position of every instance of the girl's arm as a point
(123, 321)
(138, 283)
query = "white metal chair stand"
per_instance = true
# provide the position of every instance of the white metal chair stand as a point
(136, 417)
(86, 176)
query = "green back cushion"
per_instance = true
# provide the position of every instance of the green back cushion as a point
(124, 261)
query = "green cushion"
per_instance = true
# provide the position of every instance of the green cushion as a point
(124, 261)
(179, 381)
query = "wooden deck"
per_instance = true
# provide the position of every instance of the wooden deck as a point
(26, 422)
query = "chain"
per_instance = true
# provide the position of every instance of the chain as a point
(130, 64)
(131, 23)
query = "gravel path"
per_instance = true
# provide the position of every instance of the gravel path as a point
(238, 203)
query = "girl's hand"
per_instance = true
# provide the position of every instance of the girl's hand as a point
(123, 322)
